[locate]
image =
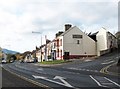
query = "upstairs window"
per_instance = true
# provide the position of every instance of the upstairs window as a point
(57, 42)
(61, 42)
(78, 36)
(78, 41)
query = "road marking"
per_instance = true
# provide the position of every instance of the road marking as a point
(84, 69)
(56, 77)
(107, 62)
(37, 77)
(40, 69)
(29, 80)
(96, 81)
(104, 82)
(62, 79)
(105, 70)
(112, 82)
(87, 70)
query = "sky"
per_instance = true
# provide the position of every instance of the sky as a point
(18, 18)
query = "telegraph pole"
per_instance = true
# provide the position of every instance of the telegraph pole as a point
(41, 41)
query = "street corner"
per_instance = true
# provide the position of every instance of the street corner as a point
(112, 69)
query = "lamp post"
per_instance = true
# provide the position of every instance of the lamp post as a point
(41, 41)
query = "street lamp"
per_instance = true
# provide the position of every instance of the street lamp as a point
(41, 41)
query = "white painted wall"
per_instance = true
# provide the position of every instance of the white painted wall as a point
(101, 40)
(86, 43)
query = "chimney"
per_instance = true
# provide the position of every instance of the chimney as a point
(67, 26)
(59, 33)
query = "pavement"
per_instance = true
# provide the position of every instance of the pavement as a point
(114, 69)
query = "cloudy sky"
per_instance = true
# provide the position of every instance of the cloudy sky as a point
(18, 18)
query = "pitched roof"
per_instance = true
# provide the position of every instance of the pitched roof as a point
(67, 31)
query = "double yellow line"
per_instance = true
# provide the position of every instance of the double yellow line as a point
(105, 70)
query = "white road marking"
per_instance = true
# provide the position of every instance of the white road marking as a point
(37, 77)
(87, 70)
(87, 60)
(112, 82)
(40, 69)
(104, 82)
(96, 81)
(107, 62)
(56, 77)
(84, 69)
(62, 79)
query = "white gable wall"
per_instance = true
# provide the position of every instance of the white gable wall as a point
(87, 45)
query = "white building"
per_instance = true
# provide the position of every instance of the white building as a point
(105, 41)
(75, 43)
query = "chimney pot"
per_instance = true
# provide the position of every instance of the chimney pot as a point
(67, 26)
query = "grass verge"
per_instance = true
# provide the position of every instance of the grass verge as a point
(55, 62)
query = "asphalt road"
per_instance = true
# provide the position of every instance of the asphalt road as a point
(11, 81)
(73, 75)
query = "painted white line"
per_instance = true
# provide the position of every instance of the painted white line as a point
(87, 70)
(107, 62)
(96, 81)
(27, 79)
(40, 69)
(112, 82)
(62, 79)
(83, 69)
(44, 78)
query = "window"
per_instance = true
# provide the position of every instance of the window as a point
(61, 42)
(57, 42)
(57, 52)
(78, 41)
(77, 36)
(54, 45)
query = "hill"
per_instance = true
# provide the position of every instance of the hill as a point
(9, 51)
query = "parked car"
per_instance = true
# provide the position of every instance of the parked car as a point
(4, 61)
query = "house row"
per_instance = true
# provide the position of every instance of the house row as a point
(73, 43)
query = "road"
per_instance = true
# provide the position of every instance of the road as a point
(77, 74)
(14, 82)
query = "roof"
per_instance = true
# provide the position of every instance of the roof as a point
(95, 33)
(67, 31)
(111, 34)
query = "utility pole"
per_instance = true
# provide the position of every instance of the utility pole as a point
(45, 48)
(41, 42)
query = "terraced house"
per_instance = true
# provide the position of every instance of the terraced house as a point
(73, 43)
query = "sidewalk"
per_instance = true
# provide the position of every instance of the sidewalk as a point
(114, 69)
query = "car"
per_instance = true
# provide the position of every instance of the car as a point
(4, 61)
